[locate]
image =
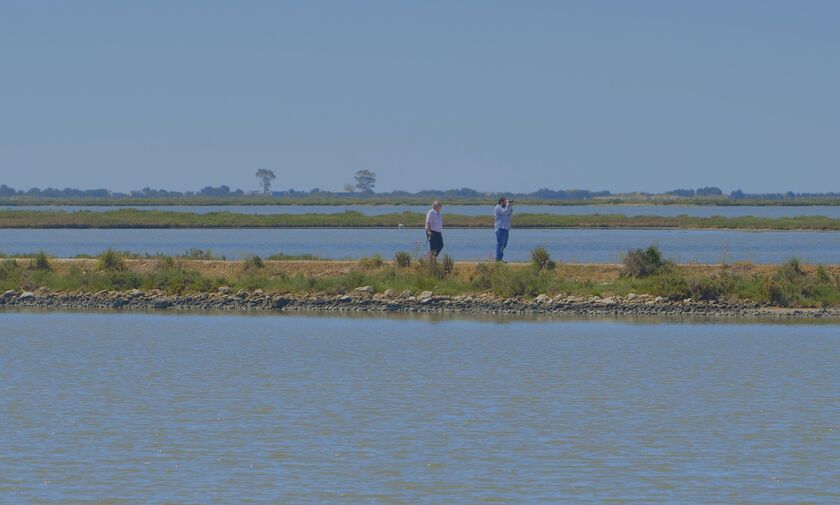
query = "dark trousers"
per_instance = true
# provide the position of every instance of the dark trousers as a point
(501, 242)
(435, 242)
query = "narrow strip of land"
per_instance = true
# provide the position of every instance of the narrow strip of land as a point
(683, 288)
(132, 218)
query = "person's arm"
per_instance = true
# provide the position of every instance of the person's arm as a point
(428, 229)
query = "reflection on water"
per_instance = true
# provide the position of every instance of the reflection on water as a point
(595, 246)
(287, 409)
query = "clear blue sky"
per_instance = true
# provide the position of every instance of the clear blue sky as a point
(642, 95)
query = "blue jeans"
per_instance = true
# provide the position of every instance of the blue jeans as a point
(501, 243)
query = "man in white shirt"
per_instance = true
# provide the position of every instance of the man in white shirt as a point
(434, 228)
(501, 215)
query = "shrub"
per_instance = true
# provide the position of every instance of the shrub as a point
(710, 288)
(541, 260)
(41, 263)
(823, 275)
(644, 262)
(371, 263)
(253, 262)
(200, 254)
(111, 261)
(791, 270)
(447, 265)
(777, 293)
(428, 266)
(402, 259)
(165, 262)
(671, 284)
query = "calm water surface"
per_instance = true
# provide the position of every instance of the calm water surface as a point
(145, 408)
(474, 210)
(597, 246)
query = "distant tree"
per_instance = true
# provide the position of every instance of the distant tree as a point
(265, 177)
(348, 188)
(737, 195)
(6, 190)
(222, 190)
(365, 180)
(709, 191)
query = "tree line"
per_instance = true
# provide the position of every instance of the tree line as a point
(365, 183)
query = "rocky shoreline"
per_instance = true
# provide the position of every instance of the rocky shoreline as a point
(364, 299)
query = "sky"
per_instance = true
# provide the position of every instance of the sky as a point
(495, 96)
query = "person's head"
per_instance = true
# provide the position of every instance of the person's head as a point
(436, 205)
(503, 201)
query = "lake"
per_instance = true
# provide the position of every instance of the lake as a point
(158, 408)
(578, 245)
(473, 210)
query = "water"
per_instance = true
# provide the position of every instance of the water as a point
(474, 210)
(144, 408)
(590, 246)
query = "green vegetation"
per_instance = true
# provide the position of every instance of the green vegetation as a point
(41, 262)
(252, 263)
(132, 218)
(402, 259)
(111, 261)
(371, 262)
(791, 284)
(645, 262)
(295, 257)
(541, 260)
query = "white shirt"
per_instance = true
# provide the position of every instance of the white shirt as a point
(434, 220)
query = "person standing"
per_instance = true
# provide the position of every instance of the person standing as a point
(434, 228)
(502, 214)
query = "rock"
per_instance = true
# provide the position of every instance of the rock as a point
(225, 290)
(406, 293)
(365, 289)
(425, 295)
(389, 293)
(658, 299)
(134, 293)
(26, 295)
(279, 303)
(257, 292)
(242, 294)
(344, 298)
(543, 298)
(608, 301)
(631, 297)
(8, 294)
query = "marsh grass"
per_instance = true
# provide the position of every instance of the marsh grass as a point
(402, 259)
(40, 262)
(111, 261)
(252, 263)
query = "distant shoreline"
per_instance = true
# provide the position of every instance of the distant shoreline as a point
(157, 219)
(260, 201)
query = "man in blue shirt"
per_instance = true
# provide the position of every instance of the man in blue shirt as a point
(502, 213)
